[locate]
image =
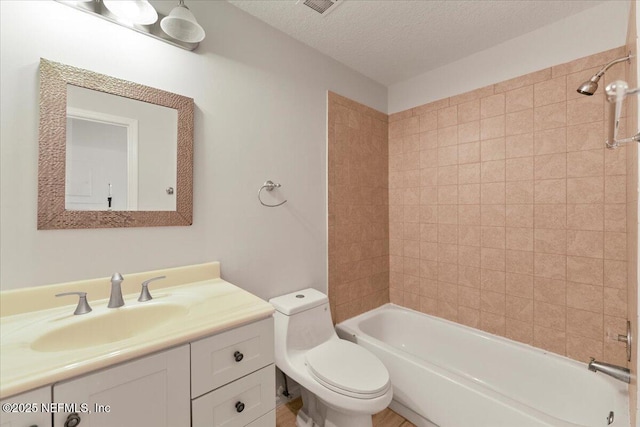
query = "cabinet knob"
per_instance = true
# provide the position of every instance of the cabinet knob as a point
(73, 420)
(238, 356)
(239, 406)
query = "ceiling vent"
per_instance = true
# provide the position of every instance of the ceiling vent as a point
(323, 7)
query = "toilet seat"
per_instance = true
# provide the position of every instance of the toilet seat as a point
(348, 369)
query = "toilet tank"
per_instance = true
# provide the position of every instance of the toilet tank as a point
(302, 319)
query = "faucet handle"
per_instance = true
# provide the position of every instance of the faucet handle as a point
(627, 339)
(83, 306)
(144, 293)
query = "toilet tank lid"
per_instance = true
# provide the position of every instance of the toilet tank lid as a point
(298, 301)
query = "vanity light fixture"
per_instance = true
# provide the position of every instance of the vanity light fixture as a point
(132, 11)
(182, 25)
(179, 28)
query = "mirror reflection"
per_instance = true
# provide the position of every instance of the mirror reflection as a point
(121, 153)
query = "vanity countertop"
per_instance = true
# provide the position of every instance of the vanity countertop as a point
(194, 302)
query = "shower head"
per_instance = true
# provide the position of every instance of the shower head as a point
(590, 86)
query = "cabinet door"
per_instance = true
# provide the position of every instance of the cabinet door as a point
(26, 409)
(149, 392)
(238, 403)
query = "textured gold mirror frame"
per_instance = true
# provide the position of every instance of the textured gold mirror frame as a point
(52, 214)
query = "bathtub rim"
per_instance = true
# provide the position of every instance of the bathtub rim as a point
(478, 332)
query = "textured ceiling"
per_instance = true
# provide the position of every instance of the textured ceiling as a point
(394, 40)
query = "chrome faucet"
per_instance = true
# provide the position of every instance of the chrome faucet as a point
(115, 300)
(617, 372)
(83, 306)
(144, 293)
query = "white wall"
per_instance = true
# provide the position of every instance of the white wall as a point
(260, 114)
(599, 28)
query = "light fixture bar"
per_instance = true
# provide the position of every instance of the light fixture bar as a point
(96, 7)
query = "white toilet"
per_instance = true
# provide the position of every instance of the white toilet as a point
(342, 383)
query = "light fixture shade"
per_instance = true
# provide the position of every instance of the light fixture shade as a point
(182, 25)
(134, 11)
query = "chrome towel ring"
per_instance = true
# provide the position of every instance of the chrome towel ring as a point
(269, 185)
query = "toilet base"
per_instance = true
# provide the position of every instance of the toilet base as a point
(339, 419)
(303, 420)
(316, 413)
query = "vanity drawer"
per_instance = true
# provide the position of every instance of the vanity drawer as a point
(222, 358)
(239, 403)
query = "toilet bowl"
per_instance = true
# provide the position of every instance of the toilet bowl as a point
(343, 384)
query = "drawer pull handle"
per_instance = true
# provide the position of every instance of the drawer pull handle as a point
(73, 420)
(238, 356)
(239, 406)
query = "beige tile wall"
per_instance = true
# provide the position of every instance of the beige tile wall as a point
(632, 212)
(358, 208)
(507, 214)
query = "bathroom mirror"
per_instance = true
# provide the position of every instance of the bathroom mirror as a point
(112, 153)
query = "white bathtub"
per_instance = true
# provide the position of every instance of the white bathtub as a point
(450, 375)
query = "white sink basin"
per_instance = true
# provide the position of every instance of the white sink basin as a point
(51, 344)
(114, 325)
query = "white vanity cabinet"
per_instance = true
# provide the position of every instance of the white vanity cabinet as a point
(25, 410)
(134, 366)
(227, 379)
(152, 391)
(233, 378)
